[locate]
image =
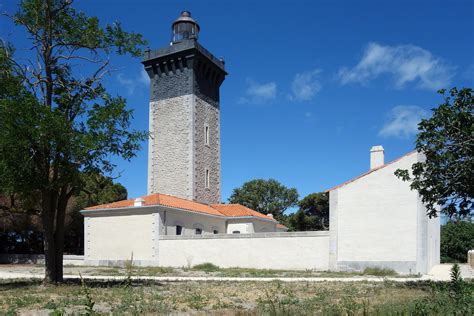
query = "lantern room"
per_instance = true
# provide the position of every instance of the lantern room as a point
(184, 28)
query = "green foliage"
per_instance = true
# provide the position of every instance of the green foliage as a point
(206, 267)
(348, 301)
(98, 189)
(127, 283)
(265, 196)
(58, 120)
(379, 272)
(457, 238)
(459, 291)
(446, 139)
(89, 301)
(313, 213)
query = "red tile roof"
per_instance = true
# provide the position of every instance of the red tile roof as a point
(235, 210)
(370, 171)
(226, 210)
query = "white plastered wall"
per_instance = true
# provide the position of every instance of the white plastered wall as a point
(304, 250)
(189, 221)
(378, 220)
(111, 237)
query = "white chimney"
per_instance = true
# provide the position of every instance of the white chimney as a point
(270, 215)
(376, 157)
(138, 202)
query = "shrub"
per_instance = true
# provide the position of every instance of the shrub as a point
(379, 271)
(206, 267)
(457, 238)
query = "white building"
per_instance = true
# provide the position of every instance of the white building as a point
(377, 220)
(116, 230)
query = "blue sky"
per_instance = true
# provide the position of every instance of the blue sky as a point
(312, 85)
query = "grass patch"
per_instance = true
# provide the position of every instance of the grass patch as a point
(375, 271)
(242, 298)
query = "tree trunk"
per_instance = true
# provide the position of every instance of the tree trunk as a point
(51, 272)
(53, 213)
(59, 233)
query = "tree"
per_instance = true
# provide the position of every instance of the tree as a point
(58, 121)
(265, 196)
(317, 206)
(445, 179)
(313, 213)
(20, 228)
(457, 238)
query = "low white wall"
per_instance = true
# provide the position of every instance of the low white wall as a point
(116, 237)
(299, 250)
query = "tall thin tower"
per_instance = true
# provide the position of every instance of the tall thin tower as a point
(184, 145)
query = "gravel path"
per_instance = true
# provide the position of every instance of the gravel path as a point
(438, 273)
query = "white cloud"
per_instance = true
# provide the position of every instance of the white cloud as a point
(405, 63)
(259, 93)
(131, 84)
(403, 121)
(305, 85)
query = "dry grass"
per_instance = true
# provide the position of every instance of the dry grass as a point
(252, 298)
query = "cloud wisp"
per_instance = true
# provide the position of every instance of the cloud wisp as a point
(305, 85)
(403, 121)
(132, 84)
(407, 64)
(257, 93)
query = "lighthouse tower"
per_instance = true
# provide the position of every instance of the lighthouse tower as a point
(184, 144)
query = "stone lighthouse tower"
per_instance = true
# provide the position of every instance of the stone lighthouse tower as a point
(184, 145)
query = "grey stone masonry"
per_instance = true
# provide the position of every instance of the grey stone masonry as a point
(184, 107)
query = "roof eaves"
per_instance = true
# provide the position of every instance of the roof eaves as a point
(370, 171)
(145, 207)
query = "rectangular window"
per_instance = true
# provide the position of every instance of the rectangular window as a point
(198, 231)
(179, 230)
(206, 135)
(207, 180)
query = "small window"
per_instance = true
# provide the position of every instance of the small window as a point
(215, 232)
(206, 135)
(179, 230)
(236, 232)
(207, 180)
(198, 231)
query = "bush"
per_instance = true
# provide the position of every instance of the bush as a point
(457, 238)
(206, 267)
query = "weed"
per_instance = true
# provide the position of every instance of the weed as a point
(129, 272)
(86, 291)
(197, 301)
(50, 305)
(57, 312)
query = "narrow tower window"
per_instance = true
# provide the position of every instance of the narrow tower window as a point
(207, 180)
(206, 135)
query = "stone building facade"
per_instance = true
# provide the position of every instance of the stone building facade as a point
(184, 146)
